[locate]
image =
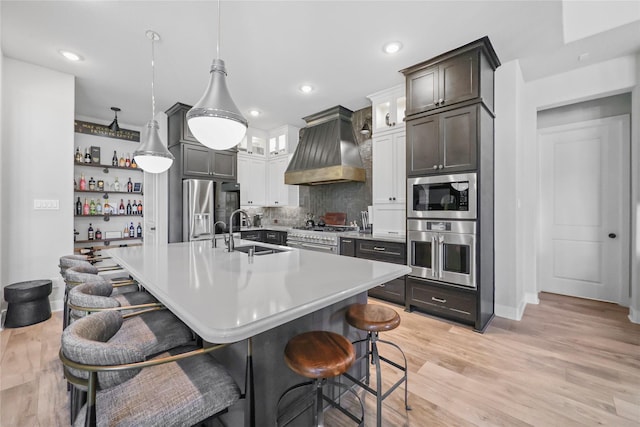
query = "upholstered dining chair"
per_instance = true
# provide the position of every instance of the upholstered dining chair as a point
(150, 328)
(182, 386)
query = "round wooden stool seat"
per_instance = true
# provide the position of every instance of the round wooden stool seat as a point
(372, 318)
(319, 354)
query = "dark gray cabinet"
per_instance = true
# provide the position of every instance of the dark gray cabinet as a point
(453, 303)
(378, 250)
(255, 235)
(446, 142)
(461, 75)
(199, 161)
(266, 236)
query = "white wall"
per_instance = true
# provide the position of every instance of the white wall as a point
(634, 308)
(509, 301)
(37, 113)
(2, 156)
(606, 78)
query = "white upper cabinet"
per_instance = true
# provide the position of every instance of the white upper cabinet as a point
(254, 143)
(279, 193)
(388, 108)
(251, 176)
(389, 168)
(283, 140)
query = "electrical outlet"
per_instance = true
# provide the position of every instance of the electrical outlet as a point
(41, 204)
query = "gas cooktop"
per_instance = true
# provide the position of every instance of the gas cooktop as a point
(328, 228)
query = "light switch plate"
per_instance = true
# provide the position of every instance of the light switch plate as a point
(42, 204)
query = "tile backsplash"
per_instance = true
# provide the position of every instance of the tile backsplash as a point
(348, 197)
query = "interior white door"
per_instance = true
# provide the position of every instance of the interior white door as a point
(584, 209)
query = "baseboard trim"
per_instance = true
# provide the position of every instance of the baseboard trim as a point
(634, 315)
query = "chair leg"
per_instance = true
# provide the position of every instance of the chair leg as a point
(376, 361)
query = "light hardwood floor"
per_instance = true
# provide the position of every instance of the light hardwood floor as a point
(569, 362)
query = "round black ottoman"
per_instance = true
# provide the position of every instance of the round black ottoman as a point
(28, 303)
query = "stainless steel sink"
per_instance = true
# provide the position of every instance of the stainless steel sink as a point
(258, 250)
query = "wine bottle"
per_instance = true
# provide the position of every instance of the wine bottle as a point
(125, 233)
(78, 157)
(98, 208)
(139, 231)
(78, 207)
(116, 185)
(90, 232)
(129, 207)
(87, 156)
(85, 207)
(114, 159)
(129, 186)
(134, 207)
(92, 207)
(127, 162)
(92, 184)
(121, 207)
(132, 231)
(121, 162)
(139, 207)
(133, 163)
(83, 183)
(106, 208)
(98, 234)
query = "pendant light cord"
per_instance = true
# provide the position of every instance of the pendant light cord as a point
(153, 78)
(218, 42)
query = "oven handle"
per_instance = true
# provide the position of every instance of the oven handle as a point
(433, 256)
(440, 255)
(309, 245)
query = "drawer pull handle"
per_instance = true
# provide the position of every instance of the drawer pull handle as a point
(347, 241)
(379, 249)
(440, 300)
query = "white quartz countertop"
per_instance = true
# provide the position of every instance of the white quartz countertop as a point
(227, 297)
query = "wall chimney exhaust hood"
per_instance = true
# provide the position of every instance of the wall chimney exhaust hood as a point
(328, 152)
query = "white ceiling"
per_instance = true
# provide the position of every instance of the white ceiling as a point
(270, 48)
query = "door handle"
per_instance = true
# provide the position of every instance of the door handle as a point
(433, 256)
(612, 235)
(440, 256)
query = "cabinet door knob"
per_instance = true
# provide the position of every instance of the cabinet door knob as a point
(612, 235)
(435, 166)
(394, 198)
(440, 167)
(390, 199)
(440, 101)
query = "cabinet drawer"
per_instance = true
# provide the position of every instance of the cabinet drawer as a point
(381, 251)
(252, 235)
(446, 301)
(275, 237)
(347, 246)
(391, 291)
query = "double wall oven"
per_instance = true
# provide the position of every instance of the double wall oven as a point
(441, 228)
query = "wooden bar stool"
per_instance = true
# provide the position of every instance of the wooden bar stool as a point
(318, 355)
(375, 319)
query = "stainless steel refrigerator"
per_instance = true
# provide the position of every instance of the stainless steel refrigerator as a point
(203, 203)
(198, 209)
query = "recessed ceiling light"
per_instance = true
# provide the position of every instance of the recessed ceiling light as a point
(392, 47)
(306, 88)
(71, 56)
(254, 113)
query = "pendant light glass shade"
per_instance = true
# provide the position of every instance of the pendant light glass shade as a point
(215, 120)
(153, 156)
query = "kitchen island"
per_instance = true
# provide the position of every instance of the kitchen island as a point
(232, 297)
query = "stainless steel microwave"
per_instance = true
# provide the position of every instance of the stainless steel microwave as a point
(442, 196)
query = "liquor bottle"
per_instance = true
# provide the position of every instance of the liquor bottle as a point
(83, 183)
(114, 159)
(132, 231)
(125, 233)
(78, 207)
(129, 207)
(130, 186)
(78, 157)
(139, 207)
(106, 208)
(139, 230)
(121, 207)
(100, 184)
(98, 208)
(134, 207)
(87, 156)
(92, 184)
(90, 232)
(133, 163)
(121, 162)
(98, 234)
(127, 162)
(92, 207)
(85, 207)
(116, 185)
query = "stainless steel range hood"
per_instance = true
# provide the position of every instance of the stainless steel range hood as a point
(328, 152)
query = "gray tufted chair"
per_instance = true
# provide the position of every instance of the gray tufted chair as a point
(182, 386)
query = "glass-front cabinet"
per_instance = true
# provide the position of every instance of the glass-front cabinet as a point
(388, 107)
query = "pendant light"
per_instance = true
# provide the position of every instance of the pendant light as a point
(153, 156)
(114, 124)
(215, 120)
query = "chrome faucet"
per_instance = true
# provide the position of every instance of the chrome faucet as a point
(213, 240)
(230, 243)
